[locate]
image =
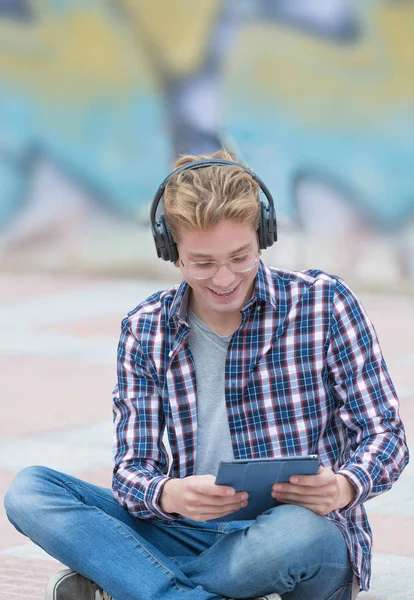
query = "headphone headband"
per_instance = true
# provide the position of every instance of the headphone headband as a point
(164, 243)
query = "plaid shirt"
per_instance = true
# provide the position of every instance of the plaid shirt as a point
(304, 374)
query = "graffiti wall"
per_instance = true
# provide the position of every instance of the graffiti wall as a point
(98, 97)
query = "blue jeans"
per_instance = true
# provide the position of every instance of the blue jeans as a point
(288, 550)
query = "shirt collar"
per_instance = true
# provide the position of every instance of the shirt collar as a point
(264, 292)
(265, 289)
(179, 306)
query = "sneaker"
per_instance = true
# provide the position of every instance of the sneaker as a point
(68, 585)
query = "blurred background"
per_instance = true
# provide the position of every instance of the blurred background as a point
(98, 98)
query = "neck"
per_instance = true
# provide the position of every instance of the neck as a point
(226, 328)
(222, 324)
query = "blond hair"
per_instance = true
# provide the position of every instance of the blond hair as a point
(201, 198)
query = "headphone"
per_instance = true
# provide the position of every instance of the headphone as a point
(164, 243)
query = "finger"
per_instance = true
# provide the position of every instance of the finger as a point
(298, 498)
(288, 488)
(208, 488)
(217, 510)
(322, 476)
(207, 515)
(216, 501)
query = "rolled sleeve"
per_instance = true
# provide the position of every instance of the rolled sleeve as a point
(141, 460)
(153, 497)
(361, 482)
(368, 403)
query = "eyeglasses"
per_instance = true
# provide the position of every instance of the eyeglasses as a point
(237, 264)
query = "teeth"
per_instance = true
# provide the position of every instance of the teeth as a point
(225, 293)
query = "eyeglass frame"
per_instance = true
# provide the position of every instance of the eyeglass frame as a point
(219, 265)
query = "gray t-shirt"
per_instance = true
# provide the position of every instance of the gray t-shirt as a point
(209, 351)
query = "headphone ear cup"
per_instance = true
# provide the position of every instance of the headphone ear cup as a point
(166, 247)
(267, 232)
(172, 246)
(262, 227)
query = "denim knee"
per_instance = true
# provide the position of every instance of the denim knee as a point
(19, 496)
(304, 532)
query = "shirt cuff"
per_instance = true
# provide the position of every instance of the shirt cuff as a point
(360, 480)
(153, 496)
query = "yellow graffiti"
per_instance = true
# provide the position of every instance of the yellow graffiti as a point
(73, 55)
(176, 31)
(322, 81)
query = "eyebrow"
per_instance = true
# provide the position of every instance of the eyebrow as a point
(201, 255)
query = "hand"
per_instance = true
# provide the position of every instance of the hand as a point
(199, 498)
(321, 493)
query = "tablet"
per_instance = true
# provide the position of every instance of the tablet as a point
(257, 476)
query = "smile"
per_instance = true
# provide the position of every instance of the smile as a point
(226, 293)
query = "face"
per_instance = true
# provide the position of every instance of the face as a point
(225, 292)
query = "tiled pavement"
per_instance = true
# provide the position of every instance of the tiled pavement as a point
(57, 369)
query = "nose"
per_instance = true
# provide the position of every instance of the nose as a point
(223, 277)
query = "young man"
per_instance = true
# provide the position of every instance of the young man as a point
(239, 361)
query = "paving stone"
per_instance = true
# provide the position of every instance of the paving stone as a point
(23, 579)
(54, 394)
